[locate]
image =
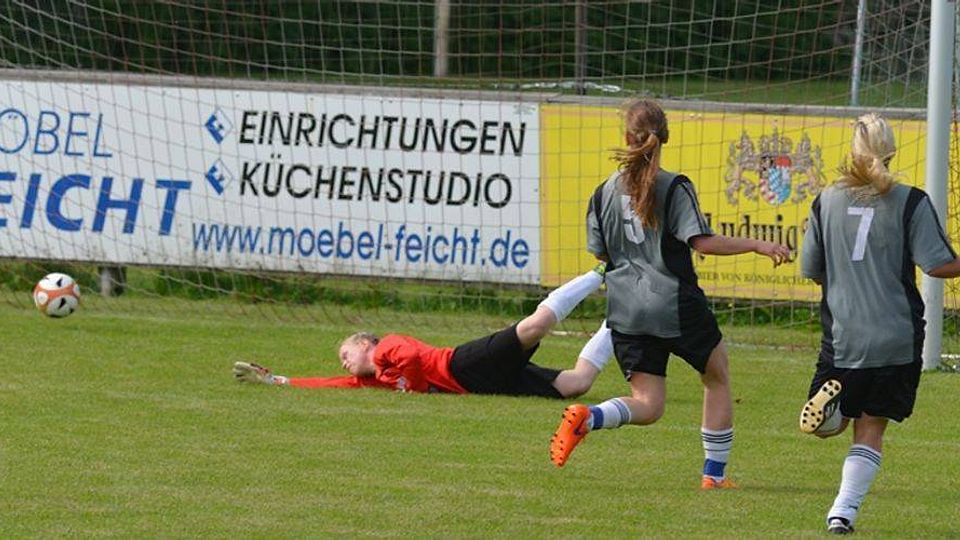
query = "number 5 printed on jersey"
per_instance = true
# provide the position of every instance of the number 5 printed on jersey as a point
(631, 227)
(866, 218)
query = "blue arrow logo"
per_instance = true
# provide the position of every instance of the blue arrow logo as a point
(218, 176)
(218, 125)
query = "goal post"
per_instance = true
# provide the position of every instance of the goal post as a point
(939, 118)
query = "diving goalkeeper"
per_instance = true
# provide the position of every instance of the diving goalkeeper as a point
(495, 364)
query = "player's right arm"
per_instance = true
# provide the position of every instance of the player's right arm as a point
(596, 243)
(340, 381)
(813, 262)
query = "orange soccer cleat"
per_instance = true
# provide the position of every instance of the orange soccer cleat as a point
(710, 482)
(572, 430)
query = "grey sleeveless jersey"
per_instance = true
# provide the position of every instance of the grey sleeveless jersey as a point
(651, 270)
(864, 254)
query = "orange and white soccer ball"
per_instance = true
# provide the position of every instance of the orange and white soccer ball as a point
(56, 295)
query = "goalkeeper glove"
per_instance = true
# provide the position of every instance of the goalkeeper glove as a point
(255, 373)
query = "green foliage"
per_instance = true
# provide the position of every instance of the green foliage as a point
(132, 427)
(295, 40)
(23, 276)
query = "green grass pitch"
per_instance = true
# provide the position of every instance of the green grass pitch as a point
(132, 426)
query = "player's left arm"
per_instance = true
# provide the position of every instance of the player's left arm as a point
(687, 223)
(719, 244)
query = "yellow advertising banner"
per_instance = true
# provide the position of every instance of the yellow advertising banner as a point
(756, 175)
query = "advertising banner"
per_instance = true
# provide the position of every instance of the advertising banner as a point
(755, 174)
(276, 181)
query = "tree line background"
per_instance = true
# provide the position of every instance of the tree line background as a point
(369, 41)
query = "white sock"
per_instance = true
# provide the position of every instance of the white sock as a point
(717, 444)
(859, 470)
(612, 413)
(716, 450)
(599, 350)
(564, 298)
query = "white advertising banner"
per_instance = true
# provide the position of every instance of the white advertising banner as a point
(285, 181)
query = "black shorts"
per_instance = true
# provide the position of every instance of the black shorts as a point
(649, 354)
(497, 364)
(886, 392)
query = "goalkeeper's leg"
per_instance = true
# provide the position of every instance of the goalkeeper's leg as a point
(557, 305)
(594, 356)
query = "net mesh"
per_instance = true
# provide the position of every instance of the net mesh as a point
(745, 84)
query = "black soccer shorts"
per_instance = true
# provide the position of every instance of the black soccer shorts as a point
(886, 392)
(497, 364)
(699, 336)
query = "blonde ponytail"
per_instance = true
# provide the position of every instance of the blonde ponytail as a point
(873, 147)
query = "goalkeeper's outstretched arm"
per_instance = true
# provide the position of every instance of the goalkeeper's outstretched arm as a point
(255, 373)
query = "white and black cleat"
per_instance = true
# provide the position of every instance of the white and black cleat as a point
(838, 525)
(819, 407)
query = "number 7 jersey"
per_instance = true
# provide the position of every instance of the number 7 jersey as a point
(864, 253)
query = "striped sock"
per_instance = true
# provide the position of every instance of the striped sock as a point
(612, 413)
(716, 450)
(859, 470)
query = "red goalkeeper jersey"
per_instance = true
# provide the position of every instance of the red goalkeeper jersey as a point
(410, 365)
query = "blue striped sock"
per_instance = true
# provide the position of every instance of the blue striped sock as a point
(713, 468)
(716, 449)
(596, 417)
(612, 413)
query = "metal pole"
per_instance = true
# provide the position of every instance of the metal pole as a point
(580, 47)
(939, 113)
(858, 53)
(441, 37)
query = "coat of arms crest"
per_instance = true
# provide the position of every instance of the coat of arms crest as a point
(779, 168)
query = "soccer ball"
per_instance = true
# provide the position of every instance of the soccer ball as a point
(56, 295)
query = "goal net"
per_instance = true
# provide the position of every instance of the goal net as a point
(306, 159)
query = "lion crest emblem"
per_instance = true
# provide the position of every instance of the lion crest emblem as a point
(779, 168)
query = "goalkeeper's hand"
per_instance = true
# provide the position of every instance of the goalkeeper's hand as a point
(255, 373)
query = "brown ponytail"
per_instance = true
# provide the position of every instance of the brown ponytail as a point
(646, 130)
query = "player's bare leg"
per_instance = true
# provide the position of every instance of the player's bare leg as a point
(557, 305)
(717, 399)
(534, 327)
(648, 398)
(595, 355)
(716, 431)
(577, 381)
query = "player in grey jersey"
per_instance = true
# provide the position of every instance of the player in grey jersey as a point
(643, 221)
(865, 235)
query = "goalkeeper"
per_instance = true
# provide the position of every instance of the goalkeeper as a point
(495, 364)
